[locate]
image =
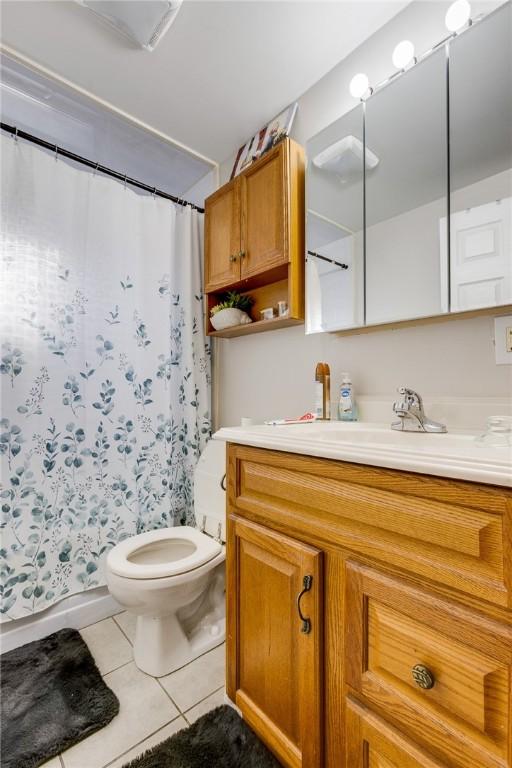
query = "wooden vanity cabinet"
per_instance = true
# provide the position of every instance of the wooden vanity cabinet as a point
(408, 662)
(275, 679)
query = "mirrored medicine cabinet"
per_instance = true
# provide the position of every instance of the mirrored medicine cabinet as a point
(409, 195)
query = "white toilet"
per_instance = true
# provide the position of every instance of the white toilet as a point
(173, 578)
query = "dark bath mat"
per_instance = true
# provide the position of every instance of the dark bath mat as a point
(219, 739)
(52, 697)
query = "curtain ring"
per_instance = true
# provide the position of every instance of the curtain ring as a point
(154, 192)
(56, 152)
(16, 133)
(96, 169)
(125, 180)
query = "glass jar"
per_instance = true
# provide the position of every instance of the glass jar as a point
(498, 433)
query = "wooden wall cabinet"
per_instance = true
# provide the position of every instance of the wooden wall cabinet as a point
(409, 660)
(254, 237)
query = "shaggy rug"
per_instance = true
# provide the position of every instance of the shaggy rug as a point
(219, 739)
(52, 697)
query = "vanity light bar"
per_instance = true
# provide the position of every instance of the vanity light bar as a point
(457, 20)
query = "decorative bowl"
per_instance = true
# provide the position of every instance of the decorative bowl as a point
(227, 318)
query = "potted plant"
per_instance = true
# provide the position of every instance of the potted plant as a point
(232, 310)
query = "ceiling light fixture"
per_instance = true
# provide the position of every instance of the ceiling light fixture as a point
(143, 21)
(359, 85)
(403, 54)
(457, 15)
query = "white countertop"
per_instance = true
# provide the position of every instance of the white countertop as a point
(455, 454)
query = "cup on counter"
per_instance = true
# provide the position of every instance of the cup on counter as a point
(267, 313)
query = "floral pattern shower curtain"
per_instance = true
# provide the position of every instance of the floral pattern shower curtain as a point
(105, 372)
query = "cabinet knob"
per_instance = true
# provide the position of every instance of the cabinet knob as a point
(423, 677)
(241, 255)
(233, 258)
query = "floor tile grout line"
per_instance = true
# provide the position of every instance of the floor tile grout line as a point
(205, 653)
(130, 661)
(153, 733)
(121, 629)
(220, 688)
(168, 695)
(106, 618)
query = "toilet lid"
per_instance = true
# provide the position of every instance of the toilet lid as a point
(163, 552)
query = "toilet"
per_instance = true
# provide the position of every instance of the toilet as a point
(172, 579)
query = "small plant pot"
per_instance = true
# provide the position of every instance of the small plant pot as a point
(229, 317)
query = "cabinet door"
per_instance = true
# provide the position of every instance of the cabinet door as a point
(273, 665)
(222, 237)
(372, 743)
(439, 671)
(264, 213)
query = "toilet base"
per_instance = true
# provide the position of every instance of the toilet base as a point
(161, 646)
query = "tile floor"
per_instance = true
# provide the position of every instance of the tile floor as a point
(151, 709)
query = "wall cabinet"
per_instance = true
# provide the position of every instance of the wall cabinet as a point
(409, 659)
(254, 237)
(222, 237)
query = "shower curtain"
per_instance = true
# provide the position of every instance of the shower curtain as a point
(105, 372)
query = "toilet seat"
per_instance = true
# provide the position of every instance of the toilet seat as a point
(163, 552)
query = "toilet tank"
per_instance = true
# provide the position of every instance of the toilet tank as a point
(209, 496)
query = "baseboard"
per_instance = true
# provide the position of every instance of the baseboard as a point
(76, 611)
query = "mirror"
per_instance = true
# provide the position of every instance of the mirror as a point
(334, 226)
(406, 194)
(416, 225)
(481, 165)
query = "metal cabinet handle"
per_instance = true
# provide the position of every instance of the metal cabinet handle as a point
(223, 482)
(233, 258)
(423, 677)
(241, 255)
(307, 582)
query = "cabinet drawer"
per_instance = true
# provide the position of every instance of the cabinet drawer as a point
(399, 638)
(453, 533)
(373, 743)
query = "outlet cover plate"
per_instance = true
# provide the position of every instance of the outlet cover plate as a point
(503, 339)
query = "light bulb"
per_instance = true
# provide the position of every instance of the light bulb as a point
(457, 15)
(359, 85)
(403, 54)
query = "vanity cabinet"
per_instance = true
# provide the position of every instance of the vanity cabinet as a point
(276, 675)
(254, 237)
(409, 659)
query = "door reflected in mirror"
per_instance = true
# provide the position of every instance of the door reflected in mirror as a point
(481, 165)
(334, 226)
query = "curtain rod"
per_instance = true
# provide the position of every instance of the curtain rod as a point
(326, 258)
(96, 166)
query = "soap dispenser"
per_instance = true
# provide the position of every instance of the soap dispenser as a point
(347, 409)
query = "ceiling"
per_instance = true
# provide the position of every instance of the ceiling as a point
(222, 70)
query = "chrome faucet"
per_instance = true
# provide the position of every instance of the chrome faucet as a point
(411, 416)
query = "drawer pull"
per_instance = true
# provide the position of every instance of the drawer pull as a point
(306, 623)
(423, 677)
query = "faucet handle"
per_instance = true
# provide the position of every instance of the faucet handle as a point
(411, 396)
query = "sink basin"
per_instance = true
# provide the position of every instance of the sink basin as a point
(454, 454)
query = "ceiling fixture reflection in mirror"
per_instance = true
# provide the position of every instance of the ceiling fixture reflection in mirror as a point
(345, 159)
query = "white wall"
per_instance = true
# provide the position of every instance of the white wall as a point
(271, 374)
